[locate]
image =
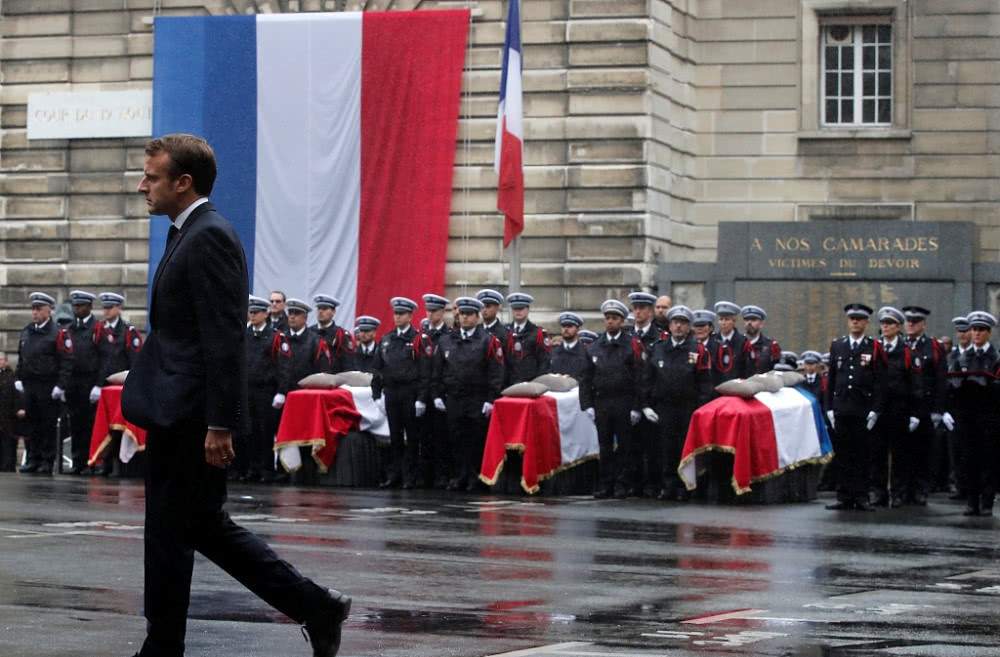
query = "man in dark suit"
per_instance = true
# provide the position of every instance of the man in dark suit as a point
(188, 388)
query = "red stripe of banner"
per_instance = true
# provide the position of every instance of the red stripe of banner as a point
(411, 81)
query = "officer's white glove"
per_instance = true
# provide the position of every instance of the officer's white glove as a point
(419, 408)
(829, 416)
(487, 409)
(278, 401)
(936, 420)
(872, 419)
(58, 393)
(439, 404)
(914, 423)
(18, 386)
(949, 421)
(634, 417)
(590, 413)
(380, 402)
(95, 394)
(651, 415)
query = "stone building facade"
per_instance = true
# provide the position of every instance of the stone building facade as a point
(650, 123)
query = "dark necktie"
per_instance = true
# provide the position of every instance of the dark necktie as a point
(979, 352)
(172, 234)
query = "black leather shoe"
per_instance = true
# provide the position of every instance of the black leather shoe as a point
(840, 506)
(389, 483)
(863, 506)
(664, 495)
(882, 500)
(44, 469)
(896, 502)
(602, 494)
(324, 631)
(28, 468)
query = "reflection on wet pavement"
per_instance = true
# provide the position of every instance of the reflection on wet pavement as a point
(439, 575)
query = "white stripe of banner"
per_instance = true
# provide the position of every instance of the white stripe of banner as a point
(794, 425)
(309, 156)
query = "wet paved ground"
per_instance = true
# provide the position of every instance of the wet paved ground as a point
(436, 576)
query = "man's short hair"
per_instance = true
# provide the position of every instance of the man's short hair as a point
(283, 297)
(189, 155)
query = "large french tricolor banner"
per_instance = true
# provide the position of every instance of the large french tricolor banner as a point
(769, 434)
(335, 139)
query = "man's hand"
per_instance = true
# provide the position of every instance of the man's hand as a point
(278, 401)
(872, 419)
(914, 423)
(18, 386)
(651, 415)
(949, 421)
(95, 394)
(21, 414)
(58, 394)
(590, 413)
(419, 408)
(219, 448)
(829, 416)
(439, 404)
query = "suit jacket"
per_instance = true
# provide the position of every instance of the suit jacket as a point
(193, 367)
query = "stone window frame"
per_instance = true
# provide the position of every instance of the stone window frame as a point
(812, 14)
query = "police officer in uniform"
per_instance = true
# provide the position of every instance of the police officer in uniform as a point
(977, 409)
(644, 461)
(956, 437)
(44, 366)
(677, 378)
(492, 301)
(85, 379)
(569, 357)
(609, 393)
(366, 349)
(467, 377)
(854, 397)
(896, 421)
(727, 361)
(435, 421)
(527, 344)
(308, 353)
(760, 352)
(929, 364)
(703, 330)
(118, 342)
(587, 337)
(266, 349)
(814, 383)
(340, 341)
(402, 366)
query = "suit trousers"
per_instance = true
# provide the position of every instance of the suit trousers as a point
(979, 432)
(612, 418)
(852, 449)
(42, 414)
(467, 426)
(263, 425)
(8, 450)
(81, 421)
(404, 433)
(890, 454)
(184, 514)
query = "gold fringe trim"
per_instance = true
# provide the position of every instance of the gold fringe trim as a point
(100, 451)
(126, 433)
(531, 490)
(317, 445)
(819, 460)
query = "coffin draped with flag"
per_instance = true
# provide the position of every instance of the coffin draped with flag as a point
(335, 140)
(550, 431)
(769, 434)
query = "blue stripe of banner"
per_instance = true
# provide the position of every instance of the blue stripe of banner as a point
(205, 83)
(825, 446)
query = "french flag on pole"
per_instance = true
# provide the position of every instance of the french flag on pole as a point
(508, 158)
(335, 139)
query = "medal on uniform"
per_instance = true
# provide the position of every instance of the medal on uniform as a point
(916, 362)
(111, 338)
(866, 359)
(517, 346)
(725, 359)
(135, 342)
(692, 358)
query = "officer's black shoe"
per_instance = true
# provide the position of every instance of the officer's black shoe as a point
(76, 470)
(44, 469)
(389, 483)
(633, 492)
(602, 494)
(957, 495)
(682, 495)
(28, 468)
(324, 631)
(267, 477)
(664, 495)
(409, 485)
(620, 494)
(896, 502)
(862, 505)
(840, 506)
(970, 511)
(475, 486)
(919, 500)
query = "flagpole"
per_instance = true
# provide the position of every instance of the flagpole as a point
(515, 264)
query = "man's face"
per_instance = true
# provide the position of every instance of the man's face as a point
(679, 328)
(856, 325)
(81, 310)
(811, 368)
(490, 311)
(980, 335)
(727, 324)
(40, 313)
(3, 362)
(702, 331)
(163, 193)
(296, 319)
(468, 319)
(643, 314)
(613, 323)
(753, 326)
(569, 332)
(946, 343)
(325, 314)
(964, 337)
(520, 314)
(435, 316)
(663, 304)
(366, 337)
(258, 317)
(915, 327)
(402, 320)
(889, 329)
(277, 304)
(111, 313)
